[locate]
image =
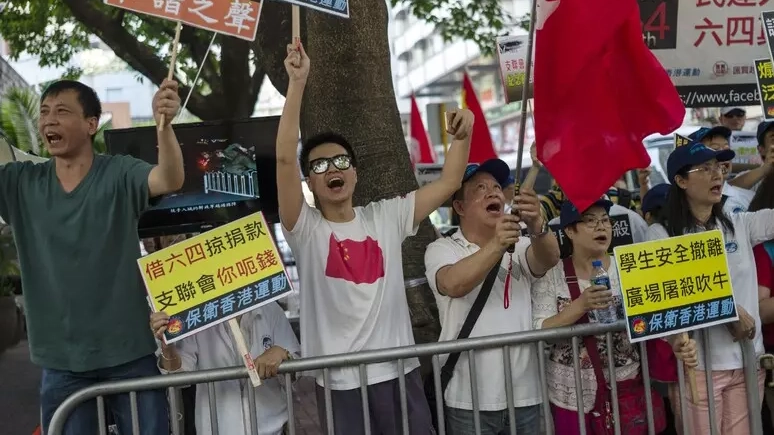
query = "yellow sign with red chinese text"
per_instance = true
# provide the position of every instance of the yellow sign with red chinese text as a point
(237, 18)
(676, 284)
(215, 276)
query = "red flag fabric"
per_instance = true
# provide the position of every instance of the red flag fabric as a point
(596, 96)
(481, 147)
(419, 134)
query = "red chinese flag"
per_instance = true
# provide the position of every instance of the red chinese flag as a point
(419, 134)
(481, 147)
(598, 92)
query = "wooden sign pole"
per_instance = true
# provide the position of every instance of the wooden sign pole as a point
(690, 374)
(239, 339)
(172, 62)
(296, 24)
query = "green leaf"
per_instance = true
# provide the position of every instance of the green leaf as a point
(19, 109)
(480, 21)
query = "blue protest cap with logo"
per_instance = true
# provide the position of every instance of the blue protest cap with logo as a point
(695, 153)
(703, 132)
(570, 214)
(763, 127)
(655, 198)
(494, 167)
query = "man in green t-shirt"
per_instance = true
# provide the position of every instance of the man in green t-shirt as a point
(74, 219)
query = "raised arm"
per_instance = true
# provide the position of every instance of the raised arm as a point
(431, 196)
(748, 179)
(543, 253)
(290, 194)
(168, 176)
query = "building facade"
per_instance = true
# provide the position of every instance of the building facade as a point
(9, 77)
(432, 69)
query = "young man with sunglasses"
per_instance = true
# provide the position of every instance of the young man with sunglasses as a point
(350, 265)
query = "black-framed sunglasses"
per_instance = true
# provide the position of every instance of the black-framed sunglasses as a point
(342, 162)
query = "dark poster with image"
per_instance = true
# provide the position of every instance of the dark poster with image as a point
(230, 172)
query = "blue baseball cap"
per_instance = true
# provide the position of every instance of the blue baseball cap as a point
(511, 180)
(494, 167)
(655, 198)
(695, 153)
(763, 127)
(569, 214)
(703, 132)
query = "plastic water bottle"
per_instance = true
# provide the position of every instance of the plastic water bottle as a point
(599, 277)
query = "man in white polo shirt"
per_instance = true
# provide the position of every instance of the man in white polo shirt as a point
(457, 266)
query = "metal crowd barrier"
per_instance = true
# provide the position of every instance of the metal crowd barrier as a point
(235, 184)
(541, 338)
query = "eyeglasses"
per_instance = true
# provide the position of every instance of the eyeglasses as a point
(594, 222)
(342, 162)
(710, 168)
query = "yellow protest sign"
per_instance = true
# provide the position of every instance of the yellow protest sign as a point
(215, 276)
(675, 285)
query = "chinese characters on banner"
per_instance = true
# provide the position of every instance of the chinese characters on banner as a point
(764, 74)
(711, 63)
(675, 285)
(215, 276)
(767, 18)
(512, 55)
(622, 235)
(745, 144)
(333, 7)
(681, 140)
(237, 18)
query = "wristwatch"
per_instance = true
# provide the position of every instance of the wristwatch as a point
(543, 230)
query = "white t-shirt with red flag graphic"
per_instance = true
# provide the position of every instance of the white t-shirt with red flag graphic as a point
(351, 286)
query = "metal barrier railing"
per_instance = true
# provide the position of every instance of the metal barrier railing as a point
(235, 184)
(541, 338)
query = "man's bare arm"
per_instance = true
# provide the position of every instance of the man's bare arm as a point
(431, 196)
(290, 194)
(168, 176)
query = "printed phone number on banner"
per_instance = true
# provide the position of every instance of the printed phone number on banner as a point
(680, 283)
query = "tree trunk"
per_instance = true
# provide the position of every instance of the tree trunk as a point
(350, 92)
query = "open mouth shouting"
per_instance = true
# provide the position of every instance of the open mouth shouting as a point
(53, 139)
(494, 208)
(601, 239)
(335, 183)
(717, 189)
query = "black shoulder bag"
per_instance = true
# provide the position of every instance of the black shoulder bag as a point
(447, 371)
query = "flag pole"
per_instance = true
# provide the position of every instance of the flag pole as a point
(529, 180)
(525, 94)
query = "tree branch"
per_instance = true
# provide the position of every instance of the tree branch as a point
(274, 33)
(136, 54)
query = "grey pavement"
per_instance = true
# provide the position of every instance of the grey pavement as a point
(19, 395)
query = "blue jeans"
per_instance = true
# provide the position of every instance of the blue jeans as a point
(58, 385)
(460, 421)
